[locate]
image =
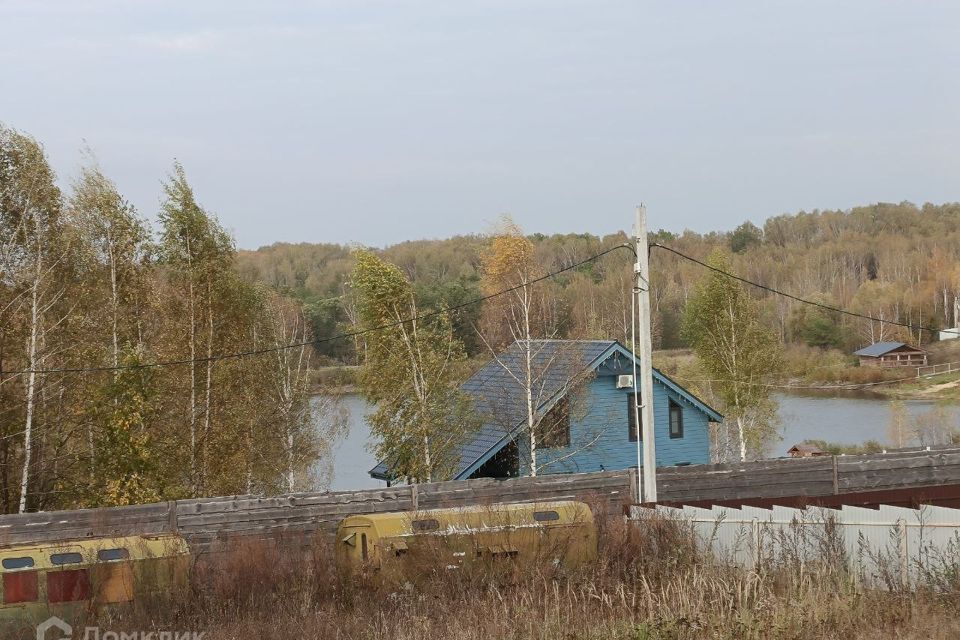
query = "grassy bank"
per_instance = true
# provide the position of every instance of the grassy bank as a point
(648, 582)
(944, 387)
(811, 367)
(342, 378)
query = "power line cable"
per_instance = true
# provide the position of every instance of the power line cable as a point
(799, 299)
(850, 386)
(296, 345)
(462, 305)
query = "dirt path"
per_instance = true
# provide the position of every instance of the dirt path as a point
(939, 387)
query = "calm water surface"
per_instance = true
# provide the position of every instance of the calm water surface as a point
(846, 417)
(351, 460)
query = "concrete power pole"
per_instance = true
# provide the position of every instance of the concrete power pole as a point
(642, 290)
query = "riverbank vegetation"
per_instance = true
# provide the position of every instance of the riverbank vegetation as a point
(895, 262)
(652, 580)
(90, 297)
(898, 263)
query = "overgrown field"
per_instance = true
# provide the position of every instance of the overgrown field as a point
(648, 582)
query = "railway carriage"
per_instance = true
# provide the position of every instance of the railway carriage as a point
(66, 578)
(562, 533)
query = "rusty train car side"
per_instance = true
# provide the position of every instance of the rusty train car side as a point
(66, 578)
(563, 533)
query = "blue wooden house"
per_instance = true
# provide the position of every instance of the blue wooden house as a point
(583, 392)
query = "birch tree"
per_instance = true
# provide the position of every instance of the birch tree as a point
(119, 242)
(520, 317)
(722, 324)
(197, 251)
(32, 246)
(898, 429)
(306, 429)
(421, 415)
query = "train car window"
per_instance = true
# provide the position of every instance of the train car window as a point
(18, 563)
(68, 586)
(20, 587)
(545, 516)
(363, 546)
(108, 555)
(66, 558)
(426, 525)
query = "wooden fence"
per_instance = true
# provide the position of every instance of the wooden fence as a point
(208, 521)
(929, 370)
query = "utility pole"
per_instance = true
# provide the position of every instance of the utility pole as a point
(642, 291)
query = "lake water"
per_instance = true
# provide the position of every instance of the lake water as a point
(846, 417)
(351, 460)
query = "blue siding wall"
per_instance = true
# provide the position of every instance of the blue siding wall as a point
(599, 436)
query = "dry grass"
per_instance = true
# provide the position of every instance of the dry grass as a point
(649, 581)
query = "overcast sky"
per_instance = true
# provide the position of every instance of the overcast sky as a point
(376, 122)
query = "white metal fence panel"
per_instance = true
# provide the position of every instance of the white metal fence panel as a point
(889, 546)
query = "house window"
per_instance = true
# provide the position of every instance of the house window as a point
(555, 431)
(632, 417)
(676, 420)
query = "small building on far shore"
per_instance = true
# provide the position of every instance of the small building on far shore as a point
(806, 450)
(891, 354)
(949, 334)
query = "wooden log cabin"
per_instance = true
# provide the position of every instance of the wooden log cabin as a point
(891, 354)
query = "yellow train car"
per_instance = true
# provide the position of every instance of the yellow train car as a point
(562, 533)
(64, 578)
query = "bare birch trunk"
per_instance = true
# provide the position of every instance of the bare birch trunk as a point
(205, 462)
(193, 374)
(735, 375)
(743, 440)
(115, 302)
(31, 388)
(419, 384)
(528, 391)
(291, 478)
(248, 435)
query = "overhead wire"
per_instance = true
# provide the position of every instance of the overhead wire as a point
(827, 307)
(296, 345)
(849, 386)
(457, 307)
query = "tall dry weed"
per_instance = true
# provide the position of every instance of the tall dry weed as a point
(651, 580)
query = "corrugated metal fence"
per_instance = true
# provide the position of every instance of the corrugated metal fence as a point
(889, 546)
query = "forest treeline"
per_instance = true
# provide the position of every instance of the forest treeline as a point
(90, 295)
(898, 263)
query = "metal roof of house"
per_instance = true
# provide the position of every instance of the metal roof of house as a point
(806, 447)
(881, 348)
(500, 400)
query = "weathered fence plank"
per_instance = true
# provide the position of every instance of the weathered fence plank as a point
(209, 522)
